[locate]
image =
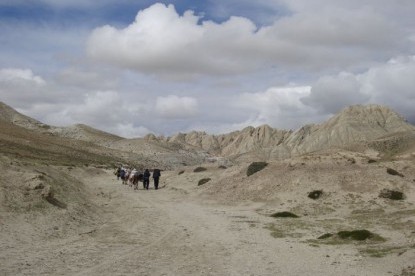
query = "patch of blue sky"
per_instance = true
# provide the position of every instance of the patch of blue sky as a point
(121, 13)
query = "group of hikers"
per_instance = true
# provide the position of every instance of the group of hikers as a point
(131, 177)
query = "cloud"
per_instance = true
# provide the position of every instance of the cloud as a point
(105, 110)
(160, 41)
(89, 78)
(129, 130)
(174, 107)
(21, 87)
(332, 93)
(14, 76)
(391, 84)
(279, 107)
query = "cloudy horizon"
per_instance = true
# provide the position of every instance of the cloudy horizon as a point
(163, 67)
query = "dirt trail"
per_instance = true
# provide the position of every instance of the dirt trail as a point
(171, 232)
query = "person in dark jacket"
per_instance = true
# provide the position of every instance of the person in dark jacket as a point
(146, 179)
(156, 176)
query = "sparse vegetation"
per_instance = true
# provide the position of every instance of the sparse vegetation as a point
(256, 167)
(316, 194)
(391, 194)
(344, 237)
(284, 215)
(358, 235)
(275, 232)
(52, 200)
(203, 181)
(199, 169)
(408, 271)
(394, 172)
(380, 252)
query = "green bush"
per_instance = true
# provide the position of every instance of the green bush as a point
(358, 235)
(284, 215)
(256, 167)
(394, 172)
(315, 194)
(391, 194)
(203, 181)
(199, 169)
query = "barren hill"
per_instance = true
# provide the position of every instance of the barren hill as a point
(8, 114)
(353, 125)
(80, 137)
(79, 131)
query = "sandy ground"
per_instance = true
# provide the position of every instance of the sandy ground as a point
(171, 231)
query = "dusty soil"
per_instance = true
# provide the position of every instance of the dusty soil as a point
(173, 231)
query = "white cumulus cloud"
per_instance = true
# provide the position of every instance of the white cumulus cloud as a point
(16, 76)
(279, 107)
(174, 107)
(391, 84)
(160, 41)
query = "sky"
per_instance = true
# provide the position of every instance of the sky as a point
(134, 67)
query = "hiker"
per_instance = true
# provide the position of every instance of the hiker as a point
(118, 173)
(122, 174)
(146, 179)
(156, 176)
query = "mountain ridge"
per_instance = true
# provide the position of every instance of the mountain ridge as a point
(358, 124)
(354, 124)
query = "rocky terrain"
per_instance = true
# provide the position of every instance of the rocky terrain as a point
(259, 201)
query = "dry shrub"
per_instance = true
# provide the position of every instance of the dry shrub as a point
(284, 215)
(256, 167)
(199, 169)
(357, 235)
(394, 172)
(315, 194)
(203, 181)
(391, 194)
